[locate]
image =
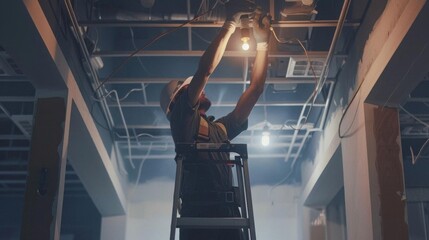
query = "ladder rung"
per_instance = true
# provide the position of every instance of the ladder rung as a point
(192, 222)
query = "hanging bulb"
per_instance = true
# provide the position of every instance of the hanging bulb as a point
(245, 32)
(245, 46)
(265, 140)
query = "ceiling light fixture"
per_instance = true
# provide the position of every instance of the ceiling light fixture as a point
(245, 32)
(265, 140)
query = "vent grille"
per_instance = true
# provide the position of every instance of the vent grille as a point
(300, 67)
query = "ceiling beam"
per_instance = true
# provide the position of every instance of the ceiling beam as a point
(17, 99)
(172, 155)
(296, 80)
(14, 78)
(224, 104)
(195, 53)
(175, 24)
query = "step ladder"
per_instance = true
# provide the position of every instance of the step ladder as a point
(246, 222)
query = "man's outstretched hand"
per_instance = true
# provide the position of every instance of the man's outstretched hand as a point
(261, 27)
(237, 8)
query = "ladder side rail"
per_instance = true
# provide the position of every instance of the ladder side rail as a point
(249, 199)
(243, 208)
(177, 185)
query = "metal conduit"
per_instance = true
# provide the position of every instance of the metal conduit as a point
(87, 57)
(321, 81)
(328, 59)
(301, 117)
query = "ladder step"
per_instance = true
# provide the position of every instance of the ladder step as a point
(224, 223)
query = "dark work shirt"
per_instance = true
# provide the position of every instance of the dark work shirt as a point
(184, 123)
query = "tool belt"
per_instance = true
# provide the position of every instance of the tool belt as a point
(212, 198)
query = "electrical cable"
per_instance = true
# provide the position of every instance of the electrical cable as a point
(303, 118)
(313, 94)
(142, 162)
(135, 48)
(347, 108)
(140, 170)
(413, 116)
(143, 134)
(123, 121)
(413, 157)
(150, 42)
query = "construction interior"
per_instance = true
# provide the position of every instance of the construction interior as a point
(86, 152)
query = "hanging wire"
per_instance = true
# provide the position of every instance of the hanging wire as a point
(149, 43)
(413, 157)
(314, 93)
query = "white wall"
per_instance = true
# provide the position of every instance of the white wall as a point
(149, 211)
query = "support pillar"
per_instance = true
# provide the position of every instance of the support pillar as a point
(373, 175)
(113, 228)
(43, 191)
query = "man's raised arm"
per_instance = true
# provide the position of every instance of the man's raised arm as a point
(213, 54)
(261, 32)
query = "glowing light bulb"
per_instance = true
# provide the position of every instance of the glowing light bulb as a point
(265, 140)
(245, 46)
(245, 32)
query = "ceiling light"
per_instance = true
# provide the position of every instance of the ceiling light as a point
(265, 140)
(245, 32)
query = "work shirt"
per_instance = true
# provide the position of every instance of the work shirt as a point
(184, 123)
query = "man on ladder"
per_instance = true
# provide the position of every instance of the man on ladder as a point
(206, 189)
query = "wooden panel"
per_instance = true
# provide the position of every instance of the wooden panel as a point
(43, 170)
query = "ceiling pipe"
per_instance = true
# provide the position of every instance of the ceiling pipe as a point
(322, 78)
(301, 117)
(328, 59)
(161, 23)
(84, 49)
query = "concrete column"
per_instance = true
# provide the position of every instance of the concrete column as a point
(113, 228)
(373, 175)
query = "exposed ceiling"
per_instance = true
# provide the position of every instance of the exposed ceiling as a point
(113, 30)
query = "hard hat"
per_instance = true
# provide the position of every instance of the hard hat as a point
(169, 92)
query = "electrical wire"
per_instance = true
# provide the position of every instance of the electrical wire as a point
(346, 110)
(133, 41)
(288, 175)
(140, 170)
(150, 42)
(413, 116)
(413, 157)
(142, 134)
(123, 121)
(142, 162)
(314, 93)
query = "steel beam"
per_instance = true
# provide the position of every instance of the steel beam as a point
(172, 155)
(230, 104)
(295, 80)
(16, 99)
(196, 53)
(175, 24)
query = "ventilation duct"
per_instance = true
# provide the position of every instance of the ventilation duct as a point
(300, 67)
